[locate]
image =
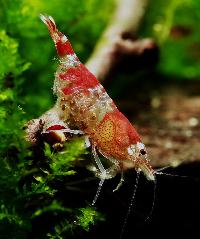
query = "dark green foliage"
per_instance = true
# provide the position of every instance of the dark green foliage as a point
(29, 177)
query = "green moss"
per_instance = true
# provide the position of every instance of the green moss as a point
(88, 216)
(31, 179)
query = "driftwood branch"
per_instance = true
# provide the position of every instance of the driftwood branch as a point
(119, 38)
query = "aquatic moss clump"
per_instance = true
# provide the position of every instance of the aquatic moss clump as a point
(39, 186)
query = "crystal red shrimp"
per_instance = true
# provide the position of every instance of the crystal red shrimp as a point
(86, 106)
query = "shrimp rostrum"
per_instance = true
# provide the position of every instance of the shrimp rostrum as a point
(87, 107)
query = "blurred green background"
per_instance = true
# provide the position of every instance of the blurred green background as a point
(27, 65)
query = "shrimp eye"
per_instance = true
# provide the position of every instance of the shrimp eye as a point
(142, 151)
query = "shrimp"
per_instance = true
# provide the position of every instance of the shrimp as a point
(86, 106)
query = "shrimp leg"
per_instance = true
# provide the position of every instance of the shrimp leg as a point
(113, 170)
(103, 173)
(98, 162)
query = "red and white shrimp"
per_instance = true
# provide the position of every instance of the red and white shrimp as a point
(86, 106)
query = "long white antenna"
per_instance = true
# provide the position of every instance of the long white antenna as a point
(172, 175)
(130, 205)
(153, 202)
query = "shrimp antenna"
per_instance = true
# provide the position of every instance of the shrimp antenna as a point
(171, 175)
(130, 205)
(153, 202)
(159, 172)
(163, 168)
